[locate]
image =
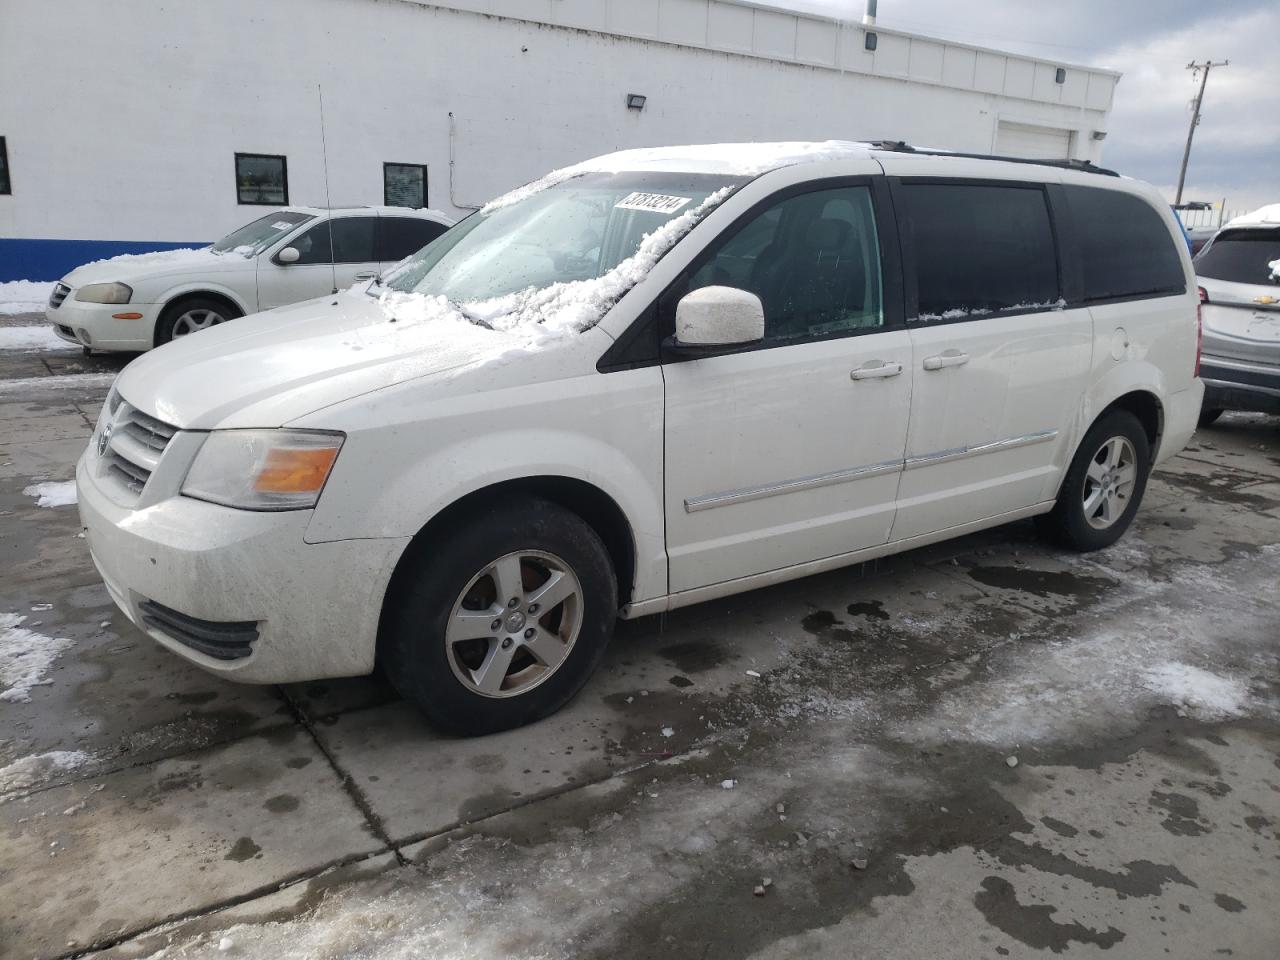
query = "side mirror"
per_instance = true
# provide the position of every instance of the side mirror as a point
(288, 255)
(716, 319)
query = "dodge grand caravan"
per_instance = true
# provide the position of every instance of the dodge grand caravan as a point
(651, 379)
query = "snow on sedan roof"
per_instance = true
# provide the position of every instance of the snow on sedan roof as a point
(728, 159)
(1263, 216)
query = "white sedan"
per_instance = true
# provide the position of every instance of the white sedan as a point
(136, 302)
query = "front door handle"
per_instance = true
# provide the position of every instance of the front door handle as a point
(876, 369)
(370, 275)
(947, 358)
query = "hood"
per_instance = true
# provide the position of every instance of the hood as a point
(131, 268)
(268, 369)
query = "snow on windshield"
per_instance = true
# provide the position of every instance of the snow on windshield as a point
(538, 314)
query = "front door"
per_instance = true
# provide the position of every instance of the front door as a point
(1000, 362)
(792, 451)
(317, 273)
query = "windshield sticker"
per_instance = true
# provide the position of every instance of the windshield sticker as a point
(652, 202)
(281, 225)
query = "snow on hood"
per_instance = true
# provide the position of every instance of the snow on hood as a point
(729, 159)
(133, 266)
(1269, 215)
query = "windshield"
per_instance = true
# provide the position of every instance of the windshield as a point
(598, 233)
(253, 238)
(1242, 256)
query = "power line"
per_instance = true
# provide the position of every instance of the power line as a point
(1195, 69)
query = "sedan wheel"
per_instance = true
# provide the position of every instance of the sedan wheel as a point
(193, 320)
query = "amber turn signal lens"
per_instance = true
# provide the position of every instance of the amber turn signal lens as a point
(295, 470)
(126, 316)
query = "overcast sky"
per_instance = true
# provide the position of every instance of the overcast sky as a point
(1236, 153)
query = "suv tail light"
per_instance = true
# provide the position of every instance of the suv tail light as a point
(1204, 298)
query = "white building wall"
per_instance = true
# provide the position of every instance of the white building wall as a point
(126, 126)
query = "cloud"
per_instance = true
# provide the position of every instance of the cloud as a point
(1237, 142)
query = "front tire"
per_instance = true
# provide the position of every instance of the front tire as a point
(191, 315)
(1104, 485)
(501, 620)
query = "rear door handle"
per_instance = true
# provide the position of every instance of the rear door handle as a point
(947, 358)
(876, 369)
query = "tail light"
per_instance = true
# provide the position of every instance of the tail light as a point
(1204, 298)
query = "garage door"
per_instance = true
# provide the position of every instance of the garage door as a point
(1037, 143)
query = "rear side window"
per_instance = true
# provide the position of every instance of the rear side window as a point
(1242, 256)
(979, 249)
(401, 236)
(1125, 248)
(352, 241)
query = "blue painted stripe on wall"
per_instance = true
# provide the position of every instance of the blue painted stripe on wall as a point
(26, 259)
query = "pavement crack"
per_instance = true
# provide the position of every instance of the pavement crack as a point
(372, 820)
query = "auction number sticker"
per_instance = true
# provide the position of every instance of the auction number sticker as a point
(652, 202)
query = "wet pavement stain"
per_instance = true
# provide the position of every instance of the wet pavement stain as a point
(1034, 924)
(1229, 904)
(1184, 814)
(818, 621)
(679, 681)
(1060, 828)
(297, 763)
(695, 656)
(242, 850)
(1042, 583)
(283, 803)
(872, 609)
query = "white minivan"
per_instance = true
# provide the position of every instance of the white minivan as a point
(655, 378)
(137, 301)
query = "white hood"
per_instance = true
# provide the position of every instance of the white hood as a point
(134, 268)
(268, 369)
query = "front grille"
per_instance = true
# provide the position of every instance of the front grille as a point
(134, 446)
(220, 639)
(60, 291)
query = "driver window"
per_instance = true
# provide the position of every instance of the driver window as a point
(812, 259)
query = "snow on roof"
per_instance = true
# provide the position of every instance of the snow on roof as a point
(1268, 215)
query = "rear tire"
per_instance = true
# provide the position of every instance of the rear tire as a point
(1209, 415)
(1103, 487)
(190, 315)
(464, 637)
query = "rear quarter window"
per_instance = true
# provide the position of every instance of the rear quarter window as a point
(1241, 256)
(1125, 248)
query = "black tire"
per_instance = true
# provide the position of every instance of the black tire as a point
(1067, 524)
(1209, 415)
(185, 305)
(412, 649)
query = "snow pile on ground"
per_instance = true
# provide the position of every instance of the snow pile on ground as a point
(32, 338)
(51, 494)
(28, 771)
(1199, 693)
(25, 657)
(24, 296)
(540, 314)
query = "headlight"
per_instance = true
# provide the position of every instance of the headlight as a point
(104, 293)
(263, 469)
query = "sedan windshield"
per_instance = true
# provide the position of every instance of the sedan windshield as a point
(253, 238)
(587, 228)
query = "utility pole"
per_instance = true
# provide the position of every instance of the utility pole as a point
(1195, 115)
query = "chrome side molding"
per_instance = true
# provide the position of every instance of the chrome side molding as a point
(960, 453)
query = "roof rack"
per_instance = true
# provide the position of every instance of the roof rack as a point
(901, 146)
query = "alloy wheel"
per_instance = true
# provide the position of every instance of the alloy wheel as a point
(192, 321)
(514, 624)
(1109, 482)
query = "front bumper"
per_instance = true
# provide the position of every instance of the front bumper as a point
(1240, 385)
(93, 324)
(315, 607)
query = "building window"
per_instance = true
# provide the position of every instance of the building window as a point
(4, 168)
(404, 185)
(261, 179)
